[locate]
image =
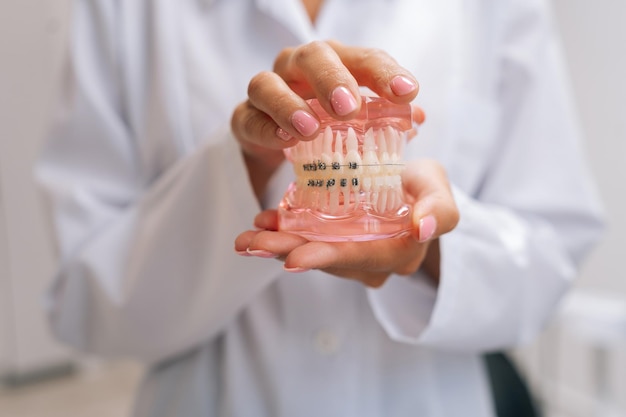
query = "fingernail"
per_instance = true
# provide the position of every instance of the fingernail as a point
(242, 253)
(343, 101)
(304, 123)
(428, 225)
(401, 85)
(283, 134)
(261, 253)
(296, 269)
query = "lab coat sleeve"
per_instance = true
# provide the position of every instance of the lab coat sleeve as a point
(522, 235)
(147, 266)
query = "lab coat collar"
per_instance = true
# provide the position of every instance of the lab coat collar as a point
(292, 15)
(263, 3)
(289, 13)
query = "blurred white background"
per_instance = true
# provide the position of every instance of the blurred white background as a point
(577, 367)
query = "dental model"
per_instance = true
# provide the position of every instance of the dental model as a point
(348, 180)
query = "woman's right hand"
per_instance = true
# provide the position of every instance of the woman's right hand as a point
(275, 116)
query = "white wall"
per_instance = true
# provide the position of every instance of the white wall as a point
(562, 363)
(594, 35)
(31, 37)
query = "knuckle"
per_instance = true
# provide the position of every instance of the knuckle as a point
(281, 109)
(380, 63)
(373, 57)
(335, 44)
(248, 124)
(304, 53)
(258, 82)
(254, 125)
(328, 73)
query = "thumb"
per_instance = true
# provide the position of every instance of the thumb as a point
(434, 209)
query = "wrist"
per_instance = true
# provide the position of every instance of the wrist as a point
(260, 170)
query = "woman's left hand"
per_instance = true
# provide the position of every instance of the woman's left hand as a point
(371, 262)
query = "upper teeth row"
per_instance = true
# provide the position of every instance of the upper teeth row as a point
(380, 153)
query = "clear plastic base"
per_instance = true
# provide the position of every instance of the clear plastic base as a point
(360, 223)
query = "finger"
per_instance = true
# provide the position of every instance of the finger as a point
(370, 279)
(418, 114)
(418, 117)
(242, 242)
(257, 132)
(380, 72)
(332, 72)
(434, 211)
(267, 220)
(379, 256)
(279, 244)
(315, 70)
(271, 95)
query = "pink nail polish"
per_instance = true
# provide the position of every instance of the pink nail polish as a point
(304, 123)
(283, 134)
(428, 225)
(343, 101)
(402, 85)
(261, 253)
(242, 253)
(296, 269)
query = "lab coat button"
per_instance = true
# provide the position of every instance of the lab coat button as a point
(326, 342)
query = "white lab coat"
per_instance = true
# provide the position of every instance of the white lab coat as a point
(147, 191)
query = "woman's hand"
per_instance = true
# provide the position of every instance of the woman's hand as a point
(434, 213)
(275, 115)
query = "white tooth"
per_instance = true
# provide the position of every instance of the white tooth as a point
(327, 156)
(375, 192)
(392, 144)
(317, 146)
(328, 141)
(366, 186)
(400, 144)
(293, 152)
(382, 193)
(391, 193)
(382, 200)
(345, 193)
(353, 158)
(307, 152)
(338, 143)
(333, 201)
(370, 160)
(391, 137)
(396, 187)
(338, 159)
(382, 151)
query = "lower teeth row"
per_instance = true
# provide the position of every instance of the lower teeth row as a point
(335, 178)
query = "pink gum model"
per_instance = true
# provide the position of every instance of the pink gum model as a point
(348, 180)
